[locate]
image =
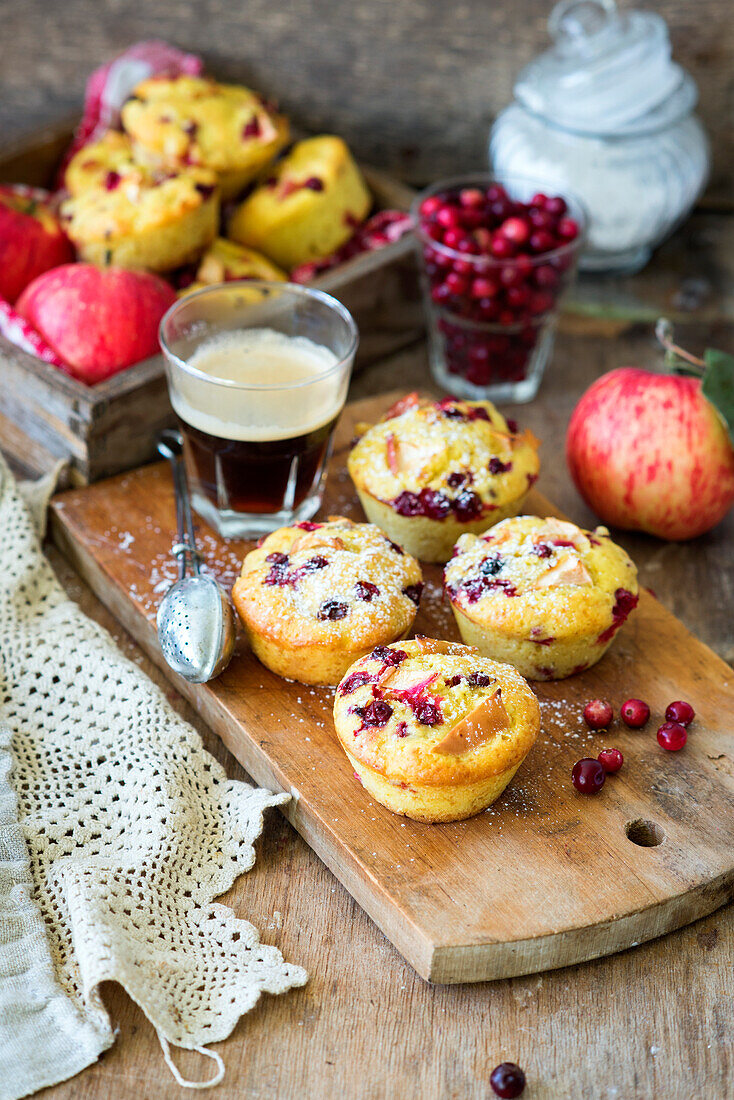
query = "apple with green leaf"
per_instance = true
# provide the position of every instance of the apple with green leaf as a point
(655, 452)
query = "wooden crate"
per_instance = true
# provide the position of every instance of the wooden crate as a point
(105, 429)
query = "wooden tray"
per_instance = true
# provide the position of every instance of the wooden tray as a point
(545, 877)
(46, 415)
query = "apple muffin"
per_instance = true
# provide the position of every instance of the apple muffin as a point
(315, 596)
(308, 208)
(100, 164)
(225, 261)
(433, 730)
(432, 470)
(541, 594)
(177, 122)
(146, 219)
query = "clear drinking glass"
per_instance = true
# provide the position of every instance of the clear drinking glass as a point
(491, 322)
(257, 450)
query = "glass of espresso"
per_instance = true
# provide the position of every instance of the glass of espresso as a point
(258, 375)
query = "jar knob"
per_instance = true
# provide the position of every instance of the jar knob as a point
(583, 26)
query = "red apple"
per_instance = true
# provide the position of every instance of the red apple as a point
(648, 452)
(98, 320)
(31, 240)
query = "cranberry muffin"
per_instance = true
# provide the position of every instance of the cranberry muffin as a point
(144, 219)
(309, 207)
(100, 164)
(432, 470)
(316, 596)
(184, 121)
(541, 594)
(433, 730)
(225, 261)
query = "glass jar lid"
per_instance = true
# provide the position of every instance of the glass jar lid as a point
(607, 73)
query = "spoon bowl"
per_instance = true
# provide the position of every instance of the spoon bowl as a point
(196, 628)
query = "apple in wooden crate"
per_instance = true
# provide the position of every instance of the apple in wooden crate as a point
(651, 452)
(31, 239)
(98, 320)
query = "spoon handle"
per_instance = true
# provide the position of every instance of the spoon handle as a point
(170, 446)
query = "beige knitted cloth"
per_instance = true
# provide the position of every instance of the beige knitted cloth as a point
(119, 832)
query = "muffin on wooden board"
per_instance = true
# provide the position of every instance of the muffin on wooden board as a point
(432, 470)
(309, 207)
(150, 220)
(100, 164)
(433, 730)
(184, 121)
(315, 596)
(541, 594)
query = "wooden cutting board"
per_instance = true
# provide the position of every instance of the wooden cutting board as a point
(546, 876)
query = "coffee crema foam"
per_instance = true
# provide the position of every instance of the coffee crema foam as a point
(258, 358)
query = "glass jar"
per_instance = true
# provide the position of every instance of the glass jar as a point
(607, 114)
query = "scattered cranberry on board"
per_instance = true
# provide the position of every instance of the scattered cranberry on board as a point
(588, 776)
(507, 1080)
(611, 760)
(598, 714)
(680, 712)
(672, 736)
(634, 713)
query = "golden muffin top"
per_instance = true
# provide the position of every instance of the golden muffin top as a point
(337, 583)
(303, 178)
(437, 457)
(101, 164)
(542, 579)
(224, 260)
(435, 712)
(144, 199)
(191, 120)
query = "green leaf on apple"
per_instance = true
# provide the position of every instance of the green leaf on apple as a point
(718, 385)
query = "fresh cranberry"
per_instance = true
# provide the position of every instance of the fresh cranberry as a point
(568, 229)
(507, 1080)
(456, 283)
(588, 776)
(598, 714)
(430, 205)
(680, 712)
(448, 217)
(471, 197)
(672, 736)
(556, 206)
(332, 610)
(483, 288)
(376, 713)
(542, 241)
(634, 713)
(407, 504)
(496, 191)
(452, 238)
(515, 229)
(366, 590)
(545, 277)
(434, 504)
(427, 713)
(611, 760)
(497, 466)
(356, 680)
(539, 200)
(502, 248)
(388, 656)
(413, 592)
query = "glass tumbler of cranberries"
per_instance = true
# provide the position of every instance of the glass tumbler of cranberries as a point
(497, 258)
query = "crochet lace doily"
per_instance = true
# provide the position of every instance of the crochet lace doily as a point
(132, 827)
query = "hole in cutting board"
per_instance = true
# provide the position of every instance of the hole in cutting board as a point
(647, 834)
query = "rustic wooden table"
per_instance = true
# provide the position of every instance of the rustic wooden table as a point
(652, 1022)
